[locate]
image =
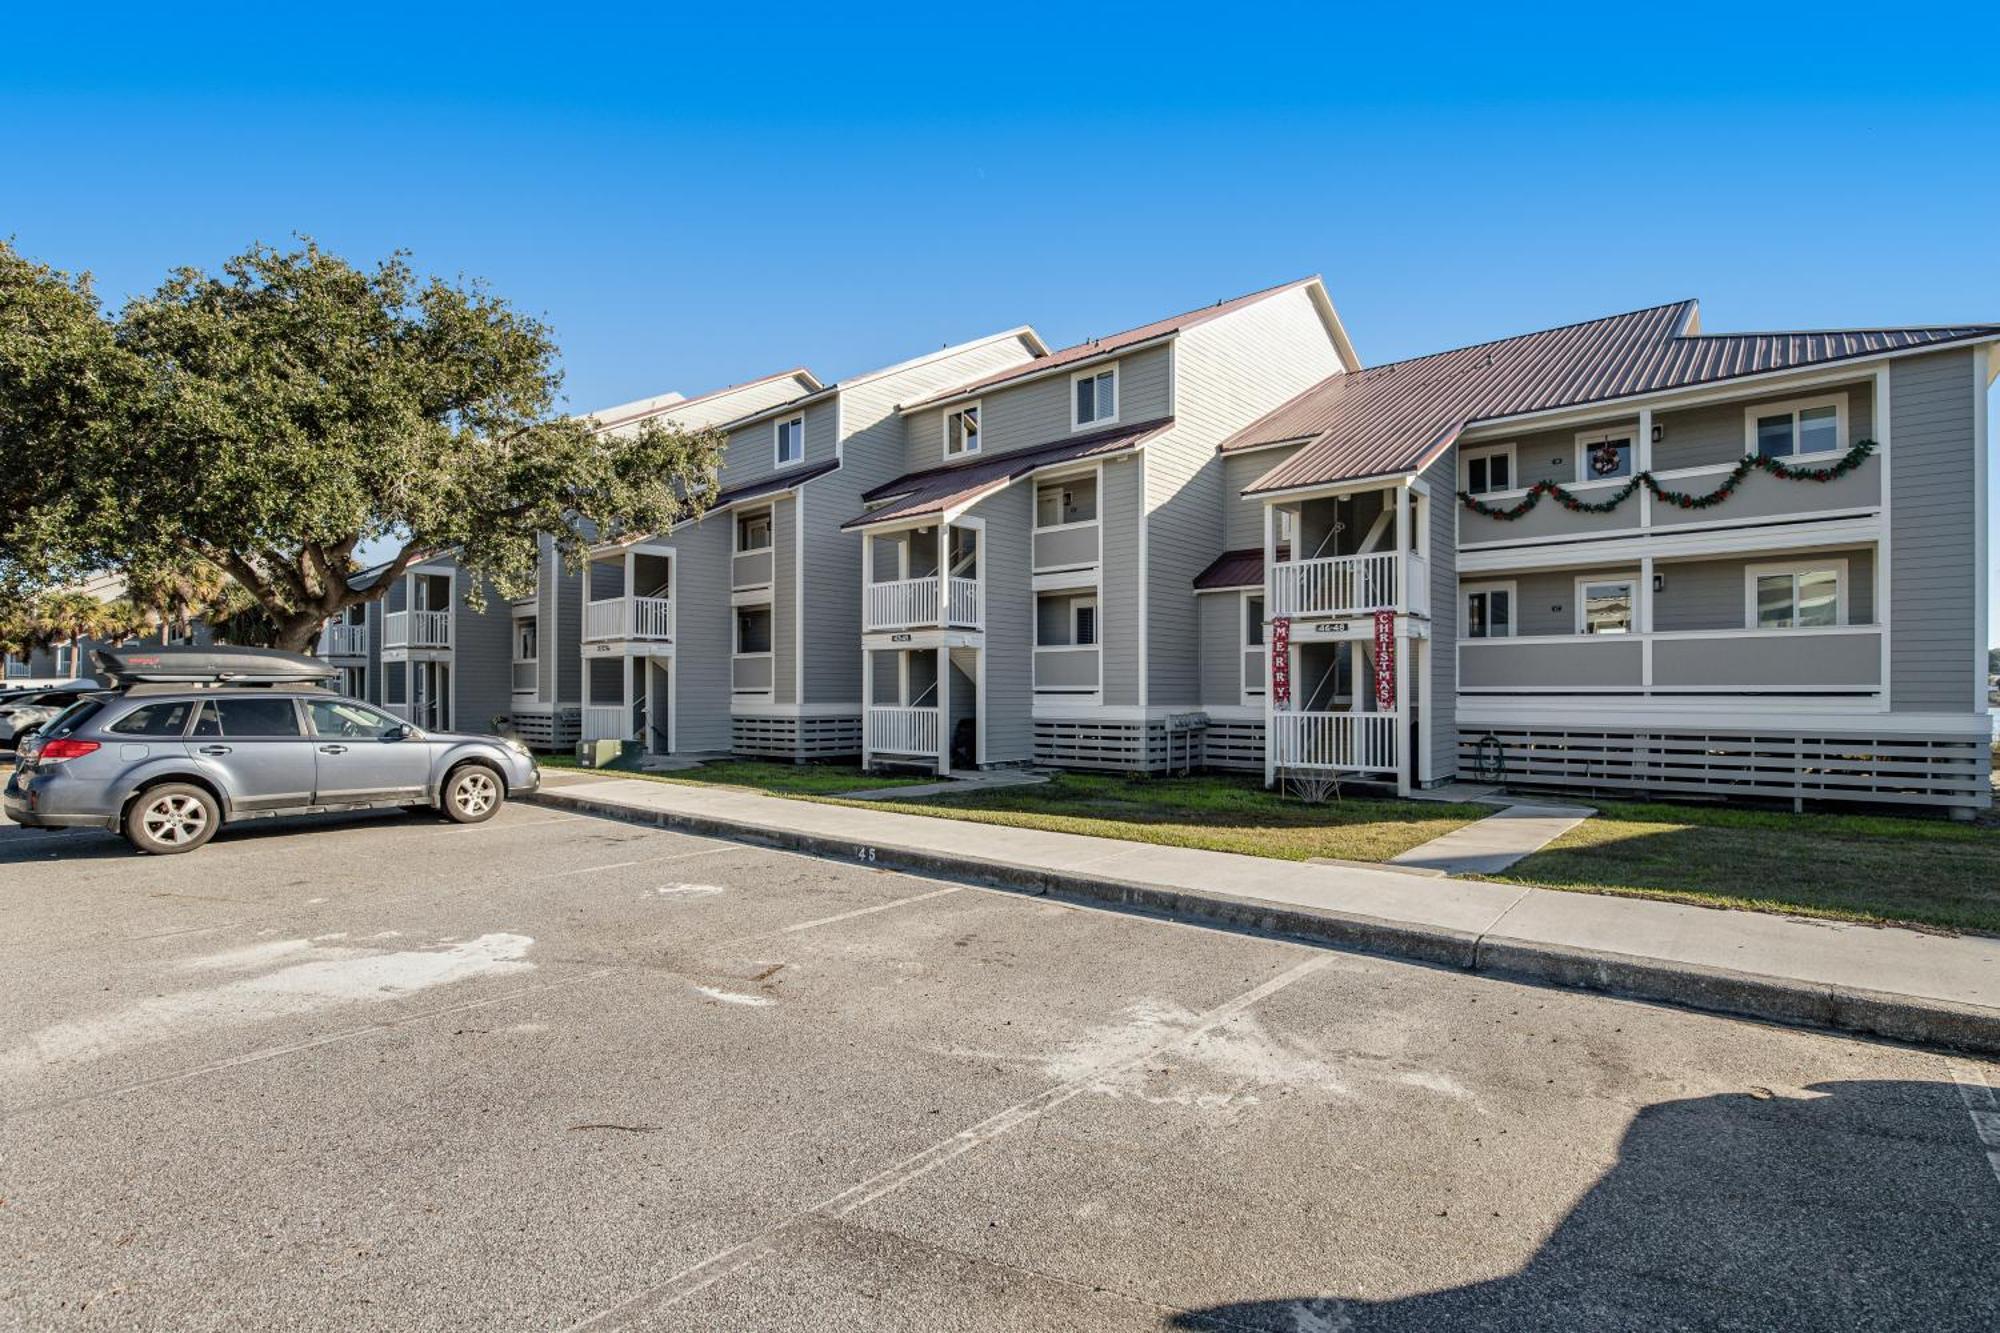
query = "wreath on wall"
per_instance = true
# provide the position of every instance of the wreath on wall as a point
(1749, 463)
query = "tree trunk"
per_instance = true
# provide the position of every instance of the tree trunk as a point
(300, 633)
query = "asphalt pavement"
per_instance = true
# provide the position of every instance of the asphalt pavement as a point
(555, 1072)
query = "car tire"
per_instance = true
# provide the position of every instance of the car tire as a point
(472, 794)
(171, 818)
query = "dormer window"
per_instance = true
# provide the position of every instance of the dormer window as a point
(961, 431)
(1094, 397)
(791, 441)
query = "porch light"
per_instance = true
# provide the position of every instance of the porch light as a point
(1659, 432)
(1659, 582)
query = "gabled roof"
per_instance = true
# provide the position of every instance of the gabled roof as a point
(1396, 419)
(938, 489)
(1022, 331)
(1145, 333)
(699, 409)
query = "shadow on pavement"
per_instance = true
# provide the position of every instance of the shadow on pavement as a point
(45, 846)
(1866, 1205)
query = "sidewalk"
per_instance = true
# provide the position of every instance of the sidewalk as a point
(1902, 984)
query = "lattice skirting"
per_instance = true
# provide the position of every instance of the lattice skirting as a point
(796, 737)
(1876, 767)
(559, 730)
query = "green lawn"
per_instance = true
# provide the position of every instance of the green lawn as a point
(1223, 814)
(1849, 867)
(763, 775)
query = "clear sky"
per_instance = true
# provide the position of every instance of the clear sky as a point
(697, 196)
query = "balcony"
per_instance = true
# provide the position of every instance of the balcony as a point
(1066, 545)
(524, 678)
(343, 641)
(1844, 659)
(416, 629)
(1335, 742)
(751, 569)
(628, 618)
(1068, 669)
(913, 604)
(1341, 585)
(909, 731)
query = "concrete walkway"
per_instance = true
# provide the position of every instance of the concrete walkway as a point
(1903, 984)
(1488, 846)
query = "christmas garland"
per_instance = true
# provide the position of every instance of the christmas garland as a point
(1678, 499)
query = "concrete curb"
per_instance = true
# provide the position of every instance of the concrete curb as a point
(1775, 999)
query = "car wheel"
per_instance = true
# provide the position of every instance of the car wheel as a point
(472, 794)
(173, 817)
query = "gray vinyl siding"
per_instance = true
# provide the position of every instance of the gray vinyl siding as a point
(1010, 625)
(1714, 433)
(1442, 663)
(751, 454)
(1933, 545)
(1037, 413)
(1243, 519)
(482, 659)
(1221, 647)
(1550, 455)
(833, 589)
(1709, 594)
(704, 625)
(548, 636)
(784, 601)
(374, 682)
(1120, 503)
(564, 633)
(1545, 599)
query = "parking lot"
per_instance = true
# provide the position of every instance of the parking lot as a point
(555, 1072)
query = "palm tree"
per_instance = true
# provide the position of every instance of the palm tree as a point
(178, 594)
(70, 618)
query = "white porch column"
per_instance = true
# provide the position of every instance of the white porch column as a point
(1270, 610)
(1642, 612)
(944, 703)
(867, 691)
(1404, 760)
(1642, 461)
(944, 580)
(629, 612)
(1402, 549)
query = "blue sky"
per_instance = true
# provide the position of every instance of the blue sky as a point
(696, 197)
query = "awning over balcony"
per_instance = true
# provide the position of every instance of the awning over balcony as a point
(1235, 569)
(939, 489)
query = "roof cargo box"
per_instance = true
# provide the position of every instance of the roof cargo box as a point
(209, 666)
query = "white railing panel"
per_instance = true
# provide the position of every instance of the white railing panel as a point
(903, 731)
(902, 603)
(968, 609)
(604, 619)
(396, 629)
(652, 618)
(424, 629)
(610, 723)
(343, 641)
(1334, 585)
(1350, 742)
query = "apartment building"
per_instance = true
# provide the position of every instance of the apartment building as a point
(736, 631)
(1627, 556)
(1029, 578)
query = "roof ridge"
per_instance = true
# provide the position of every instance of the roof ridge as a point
(1531, 333)
(1850, 328)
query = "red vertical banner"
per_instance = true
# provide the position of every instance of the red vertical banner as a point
(1385, 660)
(1281, 661)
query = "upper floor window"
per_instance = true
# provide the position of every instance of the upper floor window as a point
(525, 639)
(1094, 397)
(1603, 455)
(753, 629)
(1607, 606)
(1489, 611)
(753, 531)
(1253, 621)
(791, 441)
(1083, 621)
(1796, 596)
(961, 431)
(1796, 429)
(1060, 502)
(1483, 471)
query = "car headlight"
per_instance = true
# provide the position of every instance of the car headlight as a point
(517, 747)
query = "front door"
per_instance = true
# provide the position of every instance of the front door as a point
(359, 756)
(257, 750)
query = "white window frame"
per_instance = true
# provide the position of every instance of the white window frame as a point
(1465, 460)
(736, 629)
(1467, 591)
(521, 622)
(1117, 397)
(1584, 581)
(1077, 604)
(1794, 406)
(1751, 573)
(770, 530)
(1587, 438)
(979, 431)
(778, 458)
(1244, 648)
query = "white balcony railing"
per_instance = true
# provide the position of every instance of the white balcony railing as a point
(913, 603)
(416, 629)
(629, 618)
(612, 722)
(1334, 585)
(1351, 742)
(903, 731)
(343, 641)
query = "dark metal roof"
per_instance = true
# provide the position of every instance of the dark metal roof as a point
(1396, 418)
(782, 481)
(1084, 351)
(934, 490)
(1236, 569)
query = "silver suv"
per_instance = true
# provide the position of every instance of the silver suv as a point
(190, 741)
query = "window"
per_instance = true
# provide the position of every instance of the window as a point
(1796, 596)
(248, 717)
(753, 531)
(162, 719)
(753, 629)
(1094, 397)
(1803, 428)
(1603, 455)
(1083, 621)
(1253, 622)
(1489, 611)
(961, 431)
(349, 720)
(1073, 501)
(1484, 471)
(1606, 606)
(791, 441)
(525, 639)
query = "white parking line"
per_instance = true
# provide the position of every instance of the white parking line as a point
(1982, 1103)
(621, 865)
(869, 911)
(737, 1258)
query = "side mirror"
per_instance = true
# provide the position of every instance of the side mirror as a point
(401, 732)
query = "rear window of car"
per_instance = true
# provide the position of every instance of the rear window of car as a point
(71, 718)
(248, 717)
(167, 718)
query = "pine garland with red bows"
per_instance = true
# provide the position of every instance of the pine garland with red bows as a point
(1749, 463)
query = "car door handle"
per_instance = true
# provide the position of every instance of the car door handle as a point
(333, 749)
(215, 749)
